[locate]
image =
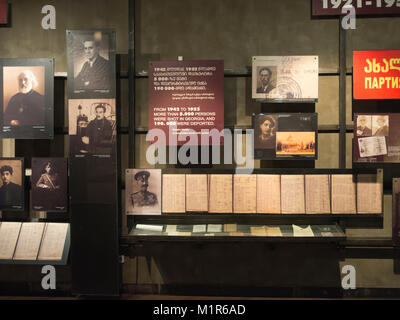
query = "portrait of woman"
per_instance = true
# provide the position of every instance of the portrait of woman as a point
(265, 131)
(48, 179)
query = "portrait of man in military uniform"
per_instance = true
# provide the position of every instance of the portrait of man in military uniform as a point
(143, 191)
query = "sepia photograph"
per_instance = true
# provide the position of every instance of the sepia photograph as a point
(295, 143)
(266, 79)
(143, 191)
(265, 127)
(12, 186)
(91, 61)
(364, 126)
(92, 126)
(49, 184)
(380, 125)
(23, 96)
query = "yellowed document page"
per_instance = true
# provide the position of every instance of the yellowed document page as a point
(318, 194)
(244, 193)
(173, 193)
(369, 193)
(220, 193)
(343, 194)
(268, 193)
(29, 241)
(196, 193)
(9, 232)
(53, 242)
(292, 194)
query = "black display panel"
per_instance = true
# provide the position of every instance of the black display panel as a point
(285, 136)
(27, 98)
(49, 184)
(12, 174)
(91, 61)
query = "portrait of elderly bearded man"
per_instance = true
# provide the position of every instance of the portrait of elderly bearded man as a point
(27, 106)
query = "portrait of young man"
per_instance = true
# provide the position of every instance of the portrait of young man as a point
(11, 190)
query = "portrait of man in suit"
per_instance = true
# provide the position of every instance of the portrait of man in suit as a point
(364, 126)
(380, 125)
(94, 74)
(265, 80)
(10, 192)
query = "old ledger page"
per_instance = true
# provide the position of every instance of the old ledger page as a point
(29, 241)
(53, 242)
(369, 193)
(268, 193)
(292, 194)
(318, 193)
(220, 193)
(244, 193)
(173, 193)
(343, 194)
(196, 193)
(9, 232)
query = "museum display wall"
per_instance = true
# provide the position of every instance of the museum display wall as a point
(233, 31)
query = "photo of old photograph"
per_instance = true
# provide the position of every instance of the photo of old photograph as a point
(380, 125)
(49, 184)
(364, 126)
(12, 184)
(295, 143)
(91, 60)
(265, 131)
(266, 79)
(143, 191)
(27, 98)
(92, 126)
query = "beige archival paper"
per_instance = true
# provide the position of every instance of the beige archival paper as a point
(268, 193)
(318, 193)
(220, 193)
(29, 241)
(9, 232)
(244, 193)
(369, 193)
(53, 242)
(292, 194)
(196, 193)
(343, 194)
(173, 193)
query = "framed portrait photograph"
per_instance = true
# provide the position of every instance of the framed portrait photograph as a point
(92, 127)
(12, 184)
(49, 187)
(143, 191)
(27, 98)
(283, 136)
(91, 63)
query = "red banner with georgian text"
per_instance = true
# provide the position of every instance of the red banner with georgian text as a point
(376, 74)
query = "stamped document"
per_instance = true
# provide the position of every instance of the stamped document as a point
(173, 193)
(244, 193)
(220, 193)
(343, 194)
(9, 232)
(292, 194)
(318, 194)
(369, 193)
(53, 242)
(268, 193)
(196, 193)
(29, 241)
(372, 146)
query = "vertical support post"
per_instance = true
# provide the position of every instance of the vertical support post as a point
(131, 62)
(342, 96)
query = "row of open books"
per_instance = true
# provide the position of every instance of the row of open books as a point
(271, 194)
(32, 241)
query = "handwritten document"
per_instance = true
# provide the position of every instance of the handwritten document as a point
(369, 193)
(292, 194)
(302, 232)
(196, 193)
(220, 193)
(173, 193)
(343, 194)
(53, 242)
(29, 241)
(9, 232)
(268, 193)
(244, 193)
(318, 193)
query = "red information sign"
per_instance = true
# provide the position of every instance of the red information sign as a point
(376, 74)
(362, 7)
(186, 97)
(3, 11)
